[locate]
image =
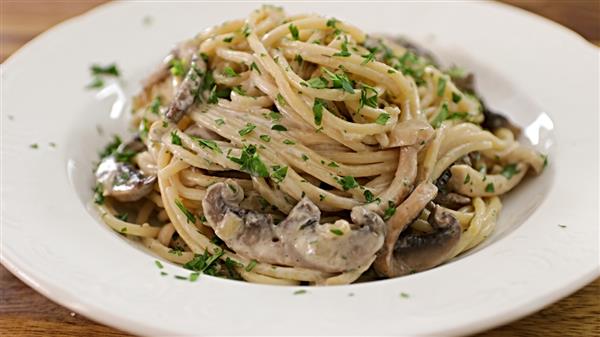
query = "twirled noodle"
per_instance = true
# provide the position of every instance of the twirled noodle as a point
(290, 110)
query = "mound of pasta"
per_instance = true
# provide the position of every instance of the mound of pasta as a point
(299, 150)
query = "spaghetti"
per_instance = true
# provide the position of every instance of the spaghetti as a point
(298, 150)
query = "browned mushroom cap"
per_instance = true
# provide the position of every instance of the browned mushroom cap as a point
(451, 200)
(416, 252)
(187, 91)
(299, 240)
(406, 212)
(122, 180)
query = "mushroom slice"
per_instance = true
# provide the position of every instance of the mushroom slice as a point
(451, 200)
(187, 91)
(299, 240)
(405, 213)
(122, 180)
(416, 252)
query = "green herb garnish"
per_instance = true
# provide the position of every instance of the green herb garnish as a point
(336, 231)
(279, 173)
(247, 129)
(441, 116)
(250, 162)
(441, 87)
(489, 188)
(191, 218)
(294, 31)
(318, 110)
(340, 81)
(278, 127)
(389, 211)
(175, 139)
(229, 72)
(509, 170)
(347, 182)
(383, 118)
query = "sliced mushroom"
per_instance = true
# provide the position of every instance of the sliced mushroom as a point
(417, 252)
(451, 200)
(122, 180)
(187, 90)
(386, 263)
(299, 240)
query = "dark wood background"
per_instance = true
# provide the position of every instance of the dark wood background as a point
(24, 312)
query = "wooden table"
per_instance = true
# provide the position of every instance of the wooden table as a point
(24, 312)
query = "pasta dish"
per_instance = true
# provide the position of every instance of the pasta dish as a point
(299, 150)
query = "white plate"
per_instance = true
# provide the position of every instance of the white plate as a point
(541, 74)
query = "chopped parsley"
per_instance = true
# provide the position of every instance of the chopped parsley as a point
(274, 115)
(229, 72)
(247, 129)
(228, 39)
(177, 68)
(158, 264)
(441, 116)
(456, 97)
(194, 276)
(333, 164)
(347, 182)
(404, 295)
(246, 31)
(467, 179)
(369, 197)
(122, 217)
(304, 157)
(509, 170)
(278, 127)
(99, 194)
(294, 31)
(175, 139)
(251, 265)
(366, 100)
(389, 211)
(336, 231)
(441, 87)
(545, 157)
(281, 100)
(344, 52)
(211, 144)
(331, 23)
(219, 121)
(300, 292)
(191, 218)
(239, 90)
(204, 263)
(253, 66)
(250, 162)
(279, 173)
(155, 105)
(109, 70)
(489, 188)
(317, 82)
(265, 138)
(34, 146)
(562, 226)
(318, 110)
(383, 118)
(340, 81)
(289, 142)
(370, 57)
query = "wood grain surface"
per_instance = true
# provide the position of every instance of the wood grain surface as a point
(24, 312)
